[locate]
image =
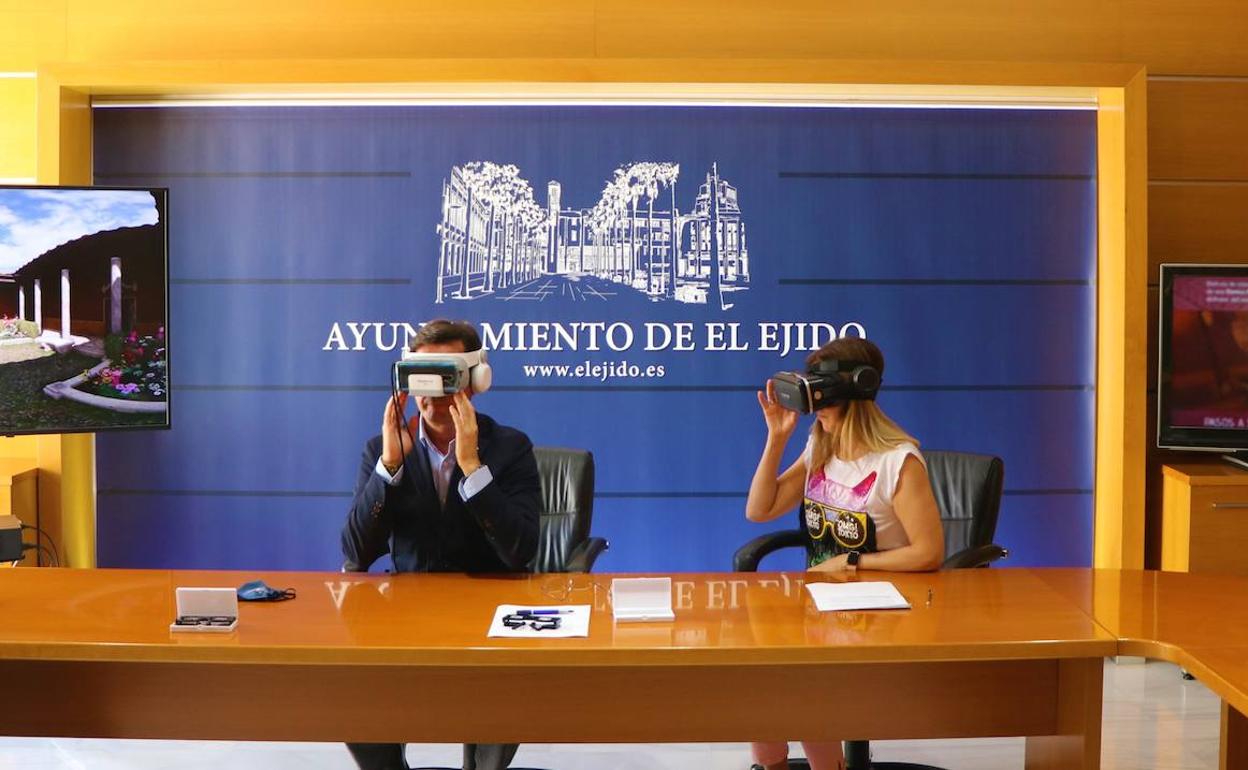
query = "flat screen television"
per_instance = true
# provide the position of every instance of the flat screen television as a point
(1202, 383)
(84, 313)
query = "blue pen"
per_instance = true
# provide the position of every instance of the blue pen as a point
(543, 612)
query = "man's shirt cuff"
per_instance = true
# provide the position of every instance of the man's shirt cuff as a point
(479, 480)
(385, 475)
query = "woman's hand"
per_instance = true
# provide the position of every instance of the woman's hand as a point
(780, 421)
(771, 495)
(838, 563)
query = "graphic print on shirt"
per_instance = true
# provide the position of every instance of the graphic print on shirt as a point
(836, 516)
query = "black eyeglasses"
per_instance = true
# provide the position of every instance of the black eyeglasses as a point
(537, 623)
(205, 620)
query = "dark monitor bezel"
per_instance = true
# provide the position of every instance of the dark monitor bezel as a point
(1183, 438)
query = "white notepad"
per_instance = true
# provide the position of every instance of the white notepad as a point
(641, 599)
(878, 595)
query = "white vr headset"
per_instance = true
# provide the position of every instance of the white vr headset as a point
(441, 374)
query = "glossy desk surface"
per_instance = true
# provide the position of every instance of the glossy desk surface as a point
(441, 620)
(1150, 611)
(1198, 621)
(995, 652)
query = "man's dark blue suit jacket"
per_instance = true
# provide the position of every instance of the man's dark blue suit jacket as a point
(495, 531)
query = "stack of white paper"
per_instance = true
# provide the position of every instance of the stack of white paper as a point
(640, 599)
(879, 595)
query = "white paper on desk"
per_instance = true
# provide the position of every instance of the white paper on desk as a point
(877, 595)
(573, 621)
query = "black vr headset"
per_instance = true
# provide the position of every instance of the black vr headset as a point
(826, 383)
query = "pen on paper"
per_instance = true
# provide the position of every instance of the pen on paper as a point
(543, 612)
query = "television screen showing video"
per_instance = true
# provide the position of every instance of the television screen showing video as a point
(1208, 352)
(83, 309)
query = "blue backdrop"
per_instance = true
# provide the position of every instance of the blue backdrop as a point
(962, 241)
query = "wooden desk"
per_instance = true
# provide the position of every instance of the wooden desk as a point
(1204, 517)
(1225, 670)
(405, 658)
(19, 496)
(1197, 621)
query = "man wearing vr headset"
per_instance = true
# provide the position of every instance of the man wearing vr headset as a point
(862, 484)
(447, 490)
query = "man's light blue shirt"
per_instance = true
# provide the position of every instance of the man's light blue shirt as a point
(442, 466)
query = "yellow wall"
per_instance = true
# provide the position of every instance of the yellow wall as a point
(1197, 121)
(17, 141)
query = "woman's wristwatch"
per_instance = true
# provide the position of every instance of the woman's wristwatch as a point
(851, 561)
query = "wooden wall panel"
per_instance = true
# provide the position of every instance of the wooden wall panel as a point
(1155, 457)
(1122, 159)
(1198, 129)
(1056, 30)
(1194, 37)
(1152, 511)
(1197, 37)
(1197, 223)
(1189, 222)
(1153, 295)
(130, 30)
(1198, 159)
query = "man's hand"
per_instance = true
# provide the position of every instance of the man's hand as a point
(396, 433)
(465, 418)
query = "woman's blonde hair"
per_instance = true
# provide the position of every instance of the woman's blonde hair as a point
(865, 428)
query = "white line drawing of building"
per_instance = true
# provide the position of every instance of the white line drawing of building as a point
(634, 242)
(493, 236)
(717, 252)
(492, 231)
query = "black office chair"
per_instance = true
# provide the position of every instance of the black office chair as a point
(968, 492)
(565, 544)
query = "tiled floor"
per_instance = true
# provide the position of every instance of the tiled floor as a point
(1153, 720)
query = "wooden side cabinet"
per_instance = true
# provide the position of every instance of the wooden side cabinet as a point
(19, 496)
(1204, 518)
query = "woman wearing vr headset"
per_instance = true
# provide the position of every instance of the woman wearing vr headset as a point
(862, 484)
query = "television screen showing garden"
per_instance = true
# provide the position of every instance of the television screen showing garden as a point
(83, 289)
